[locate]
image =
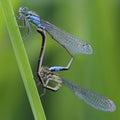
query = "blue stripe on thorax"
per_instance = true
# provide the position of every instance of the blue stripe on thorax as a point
(35, 19)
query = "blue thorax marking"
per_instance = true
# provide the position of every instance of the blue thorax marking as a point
(35, 19)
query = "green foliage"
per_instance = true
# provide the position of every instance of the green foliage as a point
(94, 21)
(22, 60)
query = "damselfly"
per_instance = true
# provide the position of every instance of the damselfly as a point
(72, 44)
(53, 81)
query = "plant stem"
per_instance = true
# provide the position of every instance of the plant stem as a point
(22, 60)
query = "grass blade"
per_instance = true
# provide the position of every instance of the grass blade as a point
(22, 60)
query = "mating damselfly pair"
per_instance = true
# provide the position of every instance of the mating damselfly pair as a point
(73, 45)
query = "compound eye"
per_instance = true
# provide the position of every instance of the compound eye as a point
(23, 10)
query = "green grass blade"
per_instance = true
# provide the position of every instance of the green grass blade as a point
(22, 60)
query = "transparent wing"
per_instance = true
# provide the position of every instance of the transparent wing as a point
(91, 98)
(69, 42)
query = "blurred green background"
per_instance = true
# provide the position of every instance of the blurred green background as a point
(98, 23)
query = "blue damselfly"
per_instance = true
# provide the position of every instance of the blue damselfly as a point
(72, 44)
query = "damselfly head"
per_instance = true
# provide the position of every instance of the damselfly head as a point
(50, 80)
(23, 10)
